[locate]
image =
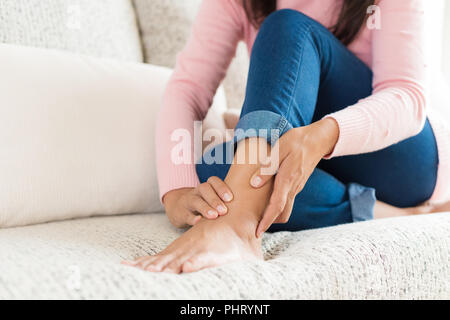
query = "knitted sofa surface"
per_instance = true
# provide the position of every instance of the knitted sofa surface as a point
(401, 258)
(398, 258)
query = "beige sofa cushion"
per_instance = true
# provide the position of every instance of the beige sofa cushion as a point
(77, 135)
(165, 27)
(402, 258)
(102, 28)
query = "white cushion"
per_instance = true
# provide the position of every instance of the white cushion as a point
(101, 28)
(76, 135)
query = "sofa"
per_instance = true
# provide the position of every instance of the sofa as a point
(398, 258)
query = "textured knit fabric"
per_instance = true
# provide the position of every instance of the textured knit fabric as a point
(100, 28)
(165, 27)
(403, 258)
(395, 111)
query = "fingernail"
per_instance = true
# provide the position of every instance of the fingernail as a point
(256, 181)
(212, 213)
(227, 197)
(221, 209)
(259, 233)
(196, 220)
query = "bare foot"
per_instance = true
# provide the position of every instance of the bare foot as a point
(230, 238)
(210, 243)
(383, 210)
(442, 208)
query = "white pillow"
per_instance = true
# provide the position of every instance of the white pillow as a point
(76, 136)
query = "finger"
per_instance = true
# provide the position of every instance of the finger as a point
(270, 167)
(197, 204)
(184, 217)
(265, 223)
(221, 188)
(192, 219)
(282, 187)
(212, 198)
(301, 185)
(286, 214)
(258, 180)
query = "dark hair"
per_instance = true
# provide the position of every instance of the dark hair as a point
(351, 18)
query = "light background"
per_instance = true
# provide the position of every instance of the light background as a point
(447, 42)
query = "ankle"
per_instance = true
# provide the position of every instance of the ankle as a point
(248, 205)
(244, 223)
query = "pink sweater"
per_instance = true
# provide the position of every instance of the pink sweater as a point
(397, 109)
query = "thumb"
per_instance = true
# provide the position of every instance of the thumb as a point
(258, 180)
(264, 173)
(270, 166)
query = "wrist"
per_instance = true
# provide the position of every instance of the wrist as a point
(328, 134)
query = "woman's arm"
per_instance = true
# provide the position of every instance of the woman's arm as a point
(200, 68)
(396, 110)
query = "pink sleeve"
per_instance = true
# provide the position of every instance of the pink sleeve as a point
(201, 66)
(396, 110)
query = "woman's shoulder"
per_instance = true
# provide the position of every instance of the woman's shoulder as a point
(224, 14)
(232, 8)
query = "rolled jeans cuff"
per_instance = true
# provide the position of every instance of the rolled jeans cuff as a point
(362, 202)
(263, 124)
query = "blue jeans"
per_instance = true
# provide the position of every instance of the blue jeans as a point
(299, 72)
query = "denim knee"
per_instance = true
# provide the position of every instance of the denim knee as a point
(286, 16)
(286, 19)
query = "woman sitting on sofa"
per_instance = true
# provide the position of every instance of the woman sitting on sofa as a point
(336, 96)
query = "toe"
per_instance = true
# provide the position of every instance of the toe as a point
(173, 267)
(194, 264)
(206, 260)
(128, 263)
(137, 262)
(144, 262)
(187, 267)
(160, 263)
(153, 265)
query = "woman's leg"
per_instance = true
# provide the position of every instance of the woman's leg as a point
(300, 72)
(231, 237)
(293, 59)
